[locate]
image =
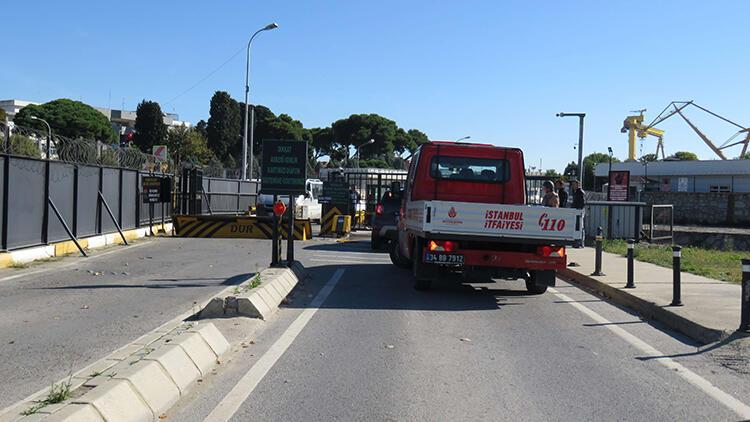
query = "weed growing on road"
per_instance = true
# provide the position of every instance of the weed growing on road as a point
(719, 265)
(58, 393)
(254, 282)
(19, 265)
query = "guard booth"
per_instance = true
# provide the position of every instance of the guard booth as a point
(191, 192)
(370, 183)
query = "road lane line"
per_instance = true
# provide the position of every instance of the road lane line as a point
(741, 409)
(76, 262)
(245, 386)
(350, 261)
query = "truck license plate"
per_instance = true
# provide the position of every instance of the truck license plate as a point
(443, 258)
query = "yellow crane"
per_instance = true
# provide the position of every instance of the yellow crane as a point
(634, 127)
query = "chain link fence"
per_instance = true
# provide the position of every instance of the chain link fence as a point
(29, 142)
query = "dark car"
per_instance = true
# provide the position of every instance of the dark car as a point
(385, 218)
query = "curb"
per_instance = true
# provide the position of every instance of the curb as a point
(256, 302)
(67, 247)
(138, 382)
(646, 309)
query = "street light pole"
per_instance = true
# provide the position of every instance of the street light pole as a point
(268, 27)
(580, 140)
(49, 132)
(371, 141)
(463, 139)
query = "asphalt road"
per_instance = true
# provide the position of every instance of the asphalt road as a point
(378, 350)
(57, 317)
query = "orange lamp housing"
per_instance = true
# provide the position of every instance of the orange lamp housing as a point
(442, 246)
(279, 208)
(551, 251)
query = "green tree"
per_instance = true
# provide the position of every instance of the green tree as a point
(746, 156)
(201, 127)
(224, 126)
(684, 156)
(188, 145)
(416, 138)
(3, 116)
(72, 119)
(552, 174)
(589, 164)
(571, 170)
(150, 129)
(357, 129)
(648, 158)
(25, 146)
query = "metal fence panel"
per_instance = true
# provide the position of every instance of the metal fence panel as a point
(2, 199)
(129, 198)
(111, 193)
(88, 187)
(25, 203)
(61, 188)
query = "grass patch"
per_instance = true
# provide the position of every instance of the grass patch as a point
(58, 393)
(719, 265)
(254, 282)
(19, 265)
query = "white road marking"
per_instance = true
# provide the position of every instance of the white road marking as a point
(350, 261)
(245, 386)
(741, 409)
(75, 262)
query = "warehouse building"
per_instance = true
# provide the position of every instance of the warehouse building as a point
(714, 176)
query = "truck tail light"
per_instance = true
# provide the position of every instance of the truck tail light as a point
(551, 251)
(442, 246)
(379, 209)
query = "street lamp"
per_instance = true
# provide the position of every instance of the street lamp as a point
(580, 139)
(370, 142)
(49, 132)
(463, 139)
(268, 27)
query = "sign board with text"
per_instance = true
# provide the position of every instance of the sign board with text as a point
(336, 193)
(619, 186)
(156, 189)
(283, 167)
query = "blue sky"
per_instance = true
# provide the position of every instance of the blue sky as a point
(495, 70)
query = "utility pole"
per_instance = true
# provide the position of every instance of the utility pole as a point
(580, 116)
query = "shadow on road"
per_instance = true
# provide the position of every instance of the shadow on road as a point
(162, 283)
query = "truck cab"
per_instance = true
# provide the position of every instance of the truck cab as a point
(464, 214)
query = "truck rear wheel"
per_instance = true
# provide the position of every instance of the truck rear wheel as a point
(535, 289)
(396, 258)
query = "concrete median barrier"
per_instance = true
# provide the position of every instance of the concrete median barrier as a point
(138, 382)
(258, 296)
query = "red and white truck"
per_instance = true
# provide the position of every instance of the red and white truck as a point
(464, 214)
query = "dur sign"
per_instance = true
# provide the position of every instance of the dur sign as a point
(284, 167)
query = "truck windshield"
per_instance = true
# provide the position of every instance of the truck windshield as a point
(492, 170)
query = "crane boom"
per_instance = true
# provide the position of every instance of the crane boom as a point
(702, 136)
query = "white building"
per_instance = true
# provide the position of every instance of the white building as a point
(684, 176)
(122, 120)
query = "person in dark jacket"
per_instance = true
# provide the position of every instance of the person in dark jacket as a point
(561, 193)
(579, 196)
(579, 202)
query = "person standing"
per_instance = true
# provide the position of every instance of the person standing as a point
(579, 196)
(550, 198)
(579, 202)
(561, 193)
(354, 199)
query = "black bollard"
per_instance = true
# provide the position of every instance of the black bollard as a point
(598, 257)
(631, 246)
(676, 288)
(745, 318)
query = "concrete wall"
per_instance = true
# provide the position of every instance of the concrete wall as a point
(697, 208)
